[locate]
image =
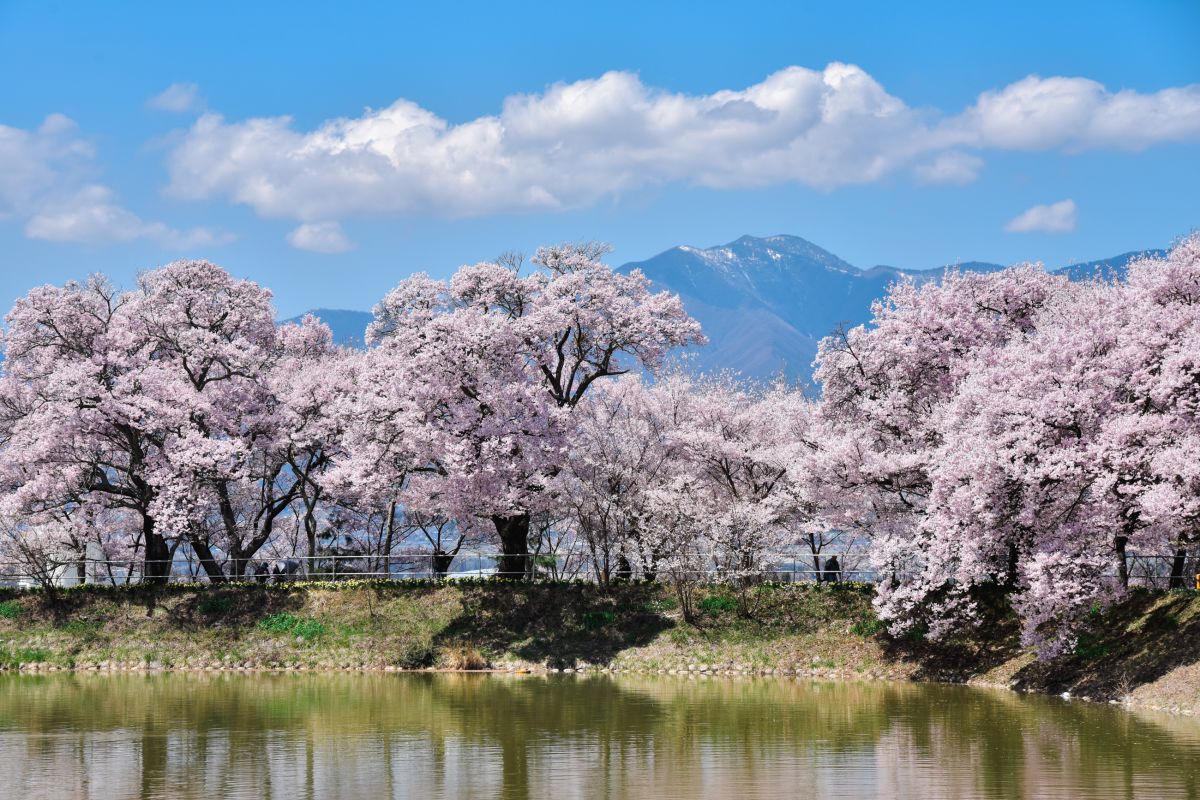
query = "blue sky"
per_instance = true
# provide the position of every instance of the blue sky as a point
(646, 125)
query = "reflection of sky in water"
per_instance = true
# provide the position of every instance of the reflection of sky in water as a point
(453, 736)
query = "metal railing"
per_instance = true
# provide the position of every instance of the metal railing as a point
(1151, 571)
(418, 565)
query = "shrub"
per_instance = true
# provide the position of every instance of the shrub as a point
(598, 619)
(10, 609)
(464, 657)
(1089, 649)
(416, 655)
(718, 604)
(867, 626)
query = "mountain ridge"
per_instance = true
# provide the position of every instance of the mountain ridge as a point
(765, 302)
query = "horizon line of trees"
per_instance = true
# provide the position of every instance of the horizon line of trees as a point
(1010, 431)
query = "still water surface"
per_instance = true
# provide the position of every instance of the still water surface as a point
(472, 736)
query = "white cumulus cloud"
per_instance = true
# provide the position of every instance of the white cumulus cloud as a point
(320, 237)
(1057, 217)
(1077, 114)
(577, 143)
(178, 97)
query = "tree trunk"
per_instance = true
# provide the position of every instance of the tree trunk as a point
(238, 562)
(310, 531)
(624, 569)
(157, 565)
(1011, 574)
(390, 524)
(514, 546)
(1177, 565)
(650, 566)
(1122, 561)
(208, 561)
(441, 562)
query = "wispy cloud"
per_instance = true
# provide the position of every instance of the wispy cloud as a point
(90, 215)
(178, 98)
(45, 184)
(577, 143)
(950, 167)
(320, 237)
(1057, 217)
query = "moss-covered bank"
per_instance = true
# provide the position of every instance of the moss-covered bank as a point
(1145, 652)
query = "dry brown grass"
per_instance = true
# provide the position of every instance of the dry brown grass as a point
(466, 658)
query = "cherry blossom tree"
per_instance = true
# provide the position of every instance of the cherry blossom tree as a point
(80, 422)
(1027, 491)
(1157, 431)
(1019, 433)
(313, 383)
(490, 367)
(750, 449)
(156, 401)
(210, 342)
(700, 478)
(886, 387)
(626, 445)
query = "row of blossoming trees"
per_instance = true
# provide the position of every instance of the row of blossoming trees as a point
(1011, 431)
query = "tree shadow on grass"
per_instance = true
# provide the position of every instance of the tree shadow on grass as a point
(556, 624)
(1134, 643)
(956, 660)
(965, 654)
(235, 607)
(188, 608)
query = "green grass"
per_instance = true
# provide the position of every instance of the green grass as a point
(23, 655)
(718, 604)
(374, 623)
(215, 606)
(1089, 648)
(868, 626)
(287, 623)
(660, 605)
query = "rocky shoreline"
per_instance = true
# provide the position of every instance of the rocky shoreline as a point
(808, 633)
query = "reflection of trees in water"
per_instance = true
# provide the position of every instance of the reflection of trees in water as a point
(460, 736)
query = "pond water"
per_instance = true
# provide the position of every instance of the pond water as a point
(477, 736)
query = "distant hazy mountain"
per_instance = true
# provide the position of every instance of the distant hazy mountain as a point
(1109, 267)
(765, 303)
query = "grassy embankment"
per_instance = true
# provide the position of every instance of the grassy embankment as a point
(1145, 651)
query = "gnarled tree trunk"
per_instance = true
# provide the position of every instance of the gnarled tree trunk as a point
(1177, 565)
(208, 561)
(513, 531)
(157, 565)
(1122, 561)
(441, 562)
